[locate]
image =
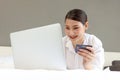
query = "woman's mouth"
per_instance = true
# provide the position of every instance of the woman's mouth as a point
(73, 37)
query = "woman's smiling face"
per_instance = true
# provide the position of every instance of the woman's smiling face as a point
(74, 29)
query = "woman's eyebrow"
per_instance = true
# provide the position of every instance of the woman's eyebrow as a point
(75, 25)
(72, 26)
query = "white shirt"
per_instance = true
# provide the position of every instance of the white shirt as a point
(75, 61)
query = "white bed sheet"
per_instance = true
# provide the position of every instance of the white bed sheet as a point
(15, 74)
(8, 72)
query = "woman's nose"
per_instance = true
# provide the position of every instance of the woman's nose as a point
(71, 33)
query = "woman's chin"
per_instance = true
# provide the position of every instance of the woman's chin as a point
(73, 39)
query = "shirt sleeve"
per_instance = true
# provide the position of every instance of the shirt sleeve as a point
(98, 63)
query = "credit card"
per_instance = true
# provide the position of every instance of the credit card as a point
(78, 46)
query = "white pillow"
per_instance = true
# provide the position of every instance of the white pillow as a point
(6, 62)
(6, 59)
(110, 56)
(5, 51)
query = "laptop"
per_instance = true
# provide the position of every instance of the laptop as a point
(39, 48)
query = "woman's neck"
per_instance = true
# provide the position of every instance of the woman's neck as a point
(79, 41)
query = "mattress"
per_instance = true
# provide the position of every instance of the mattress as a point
(16, 74)
(8, 72)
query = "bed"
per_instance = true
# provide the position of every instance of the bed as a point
(8, 72)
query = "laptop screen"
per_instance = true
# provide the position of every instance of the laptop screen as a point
(39, 48)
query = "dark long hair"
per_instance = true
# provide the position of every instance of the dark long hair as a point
(77, 15)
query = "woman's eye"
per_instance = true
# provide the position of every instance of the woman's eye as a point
(75, 28)
(67, 28)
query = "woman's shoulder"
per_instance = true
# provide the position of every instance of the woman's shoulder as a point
(92, 38)
(65, 38)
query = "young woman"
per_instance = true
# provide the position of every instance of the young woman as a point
(76, 24)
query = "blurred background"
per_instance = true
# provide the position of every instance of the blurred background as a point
(103, 17)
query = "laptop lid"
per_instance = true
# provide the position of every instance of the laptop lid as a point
(39, 48)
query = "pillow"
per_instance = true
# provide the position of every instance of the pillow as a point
(5, 51)
(6, 62)
(6, 59)
(110, 56)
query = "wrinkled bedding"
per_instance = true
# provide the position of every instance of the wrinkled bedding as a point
(8, 72)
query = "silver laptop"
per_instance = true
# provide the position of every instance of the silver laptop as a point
(39, 48)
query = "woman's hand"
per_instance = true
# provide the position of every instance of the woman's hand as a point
(88, 57)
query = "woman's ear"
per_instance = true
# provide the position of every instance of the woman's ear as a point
(86, 25)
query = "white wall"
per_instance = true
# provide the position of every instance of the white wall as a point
(103, 15)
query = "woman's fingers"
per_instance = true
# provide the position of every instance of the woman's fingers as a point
(90, 49)
(88, 55)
